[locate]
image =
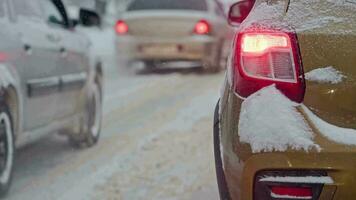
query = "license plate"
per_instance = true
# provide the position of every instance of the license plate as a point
(160, 49)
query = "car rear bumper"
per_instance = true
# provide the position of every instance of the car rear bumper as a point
(340, 167)
(241, 165)
(202, 49)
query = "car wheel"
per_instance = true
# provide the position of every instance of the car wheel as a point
(7, 150)
(91, 121)
(220, 175)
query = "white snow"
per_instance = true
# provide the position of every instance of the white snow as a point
(269, 121)
(319, 23)
(288, 196)
(341, 135)
(304, 15)
(325, 75)
(294, 179)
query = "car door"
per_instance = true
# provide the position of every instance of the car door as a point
(42, 50)
(71, 65)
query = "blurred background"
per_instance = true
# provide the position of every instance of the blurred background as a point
(158, 109)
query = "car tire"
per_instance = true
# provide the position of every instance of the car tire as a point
(220, 175)
(7, 149)
(90, 127)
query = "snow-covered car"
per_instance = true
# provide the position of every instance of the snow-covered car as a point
(285, 125)
(46, 81)
(158, 32)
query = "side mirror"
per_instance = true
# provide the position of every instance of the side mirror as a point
(239, 11)
(89, 18)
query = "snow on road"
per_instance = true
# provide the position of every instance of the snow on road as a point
(156, 144)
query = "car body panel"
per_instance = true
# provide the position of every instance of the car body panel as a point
(73, 71)
(41, 87)
(241, 164)
(331, 43)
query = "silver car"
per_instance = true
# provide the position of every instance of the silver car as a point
(161, 31)
(48, 84)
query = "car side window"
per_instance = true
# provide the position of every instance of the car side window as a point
(51, 13)
(27, 8)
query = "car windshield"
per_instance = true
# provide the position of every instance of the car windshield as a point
(200, 5)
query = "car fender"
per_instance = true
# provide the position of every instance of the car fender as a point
(10, 79)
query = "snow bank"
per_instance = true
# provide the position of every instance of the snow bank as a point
(269, 121)
(332, 132)
(295, 179)
(325, 75)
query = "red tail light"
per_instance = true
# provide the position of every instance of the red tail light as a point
(268, 57)
(291, 192)
(202, 27)
(301, 184)
(121, 27)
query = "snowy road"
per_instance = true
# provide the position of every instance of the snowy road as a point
(156, 144)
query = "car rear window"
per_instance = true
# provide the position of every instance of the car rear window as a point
(200, 5)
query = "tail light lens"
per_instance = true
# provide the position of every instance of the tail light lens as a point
(304, 184)
(291, 192)
(265, 57)
(121, 27)
(202, 27)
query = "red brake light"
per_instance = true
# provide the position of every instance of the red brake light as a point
(300, 184)
(258, 43)
(266, 57)
(291, 192)
(202, 27)
(121, 27)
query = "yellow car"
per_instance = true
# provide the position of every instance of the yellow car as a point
(285, 125)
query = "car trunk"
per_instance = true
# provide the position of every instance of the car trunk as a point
(162, 24)
(327, 37)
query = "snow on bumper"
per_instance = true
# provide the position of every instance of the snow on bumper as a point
(269, 121)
